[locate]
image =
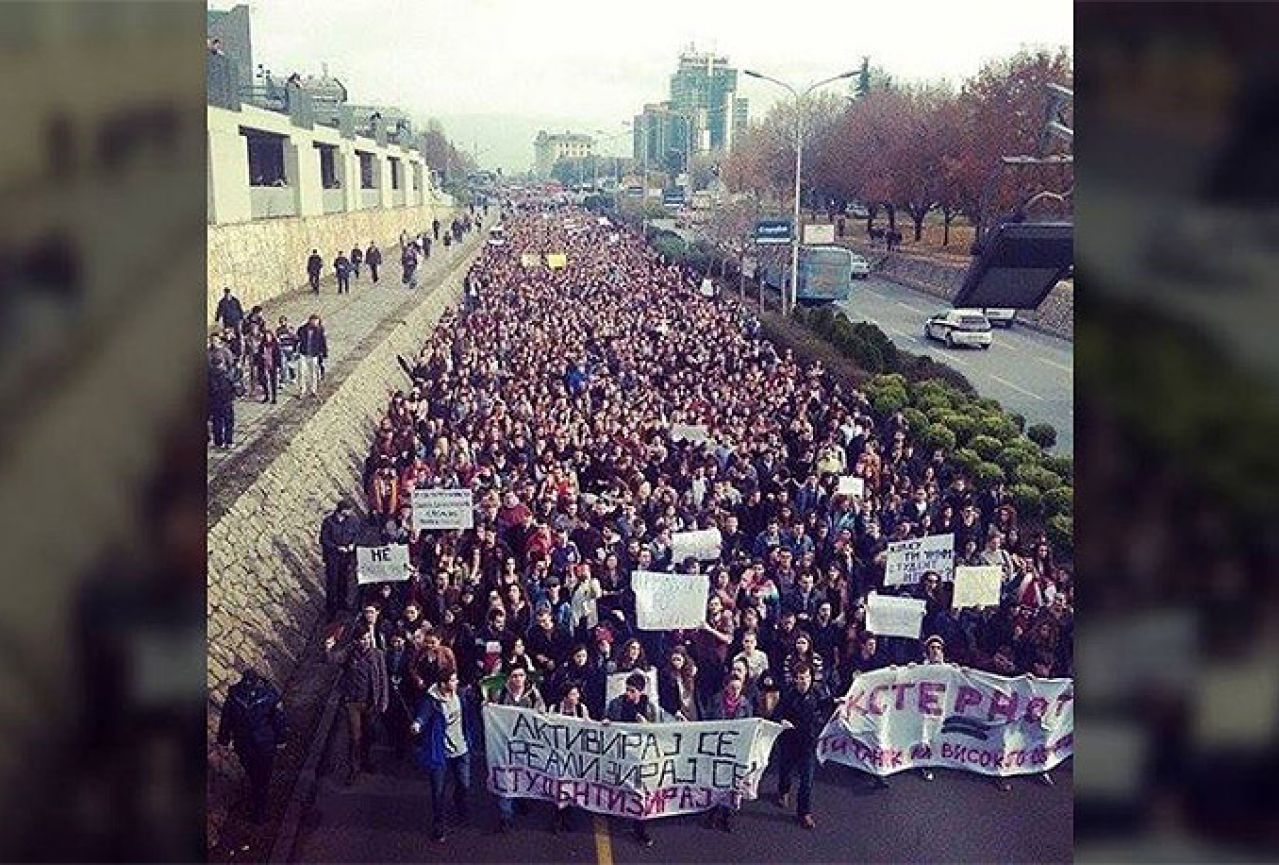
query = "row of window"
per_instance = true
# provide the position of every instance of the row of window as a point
(267, 165)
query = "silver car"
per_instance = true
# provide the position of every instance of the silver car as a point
(957, 327)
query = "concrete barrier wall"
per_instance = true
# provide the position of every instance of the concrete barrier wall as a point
(266, 258)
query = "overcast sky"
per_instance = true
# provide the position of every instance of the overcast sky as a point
(495, 71)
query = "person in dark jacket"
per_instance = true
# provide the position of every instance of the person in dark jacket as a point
(338, 534)
(230, 312)
(633, 706)
(435, 228)
(730, 704)
(221, 403)
(364, 690)
(314, 266)
(253, 723)
(342, 267)
(447, 732)
(803, 711)
(373, 258)
(269, 359)
(312, 348)
(357, 258)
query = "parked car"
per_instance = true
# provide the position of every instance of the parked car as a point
(957, 327)
(861, 267)
(1000, 317)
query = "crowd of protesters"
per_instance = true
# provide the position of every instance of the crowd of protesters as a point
(551, 394)
(250, 359)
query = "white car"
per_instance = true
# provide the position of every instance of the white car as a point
(861, 267)
(958, 327)
(1000, 317)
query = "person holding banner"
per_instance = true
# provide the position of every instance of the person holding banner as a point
(804, 709)
(448, 733)
(519, 693)
(633, 707)
(570, 704)
(730, 704)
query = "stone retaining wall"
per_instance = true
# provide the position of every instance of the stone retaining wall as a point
(266, 258)
(265, 575)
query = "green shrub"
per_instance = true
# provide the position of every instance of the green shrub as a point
(1060, 464)
(939, 414)
(931, 400)
(939, 436)
(1042, 434)
(962, 426)
(1061, 534)
(872, 335)
(987, 474)
(1027, 500)
(990, 405)
(1059, 501)
(916, 420)
(988, 446)
(1011, 457)
(888, 379)
(998, 425)
(888, 402)
(866, 356)
(966, 460)
(1019, 420)
(1037, 476)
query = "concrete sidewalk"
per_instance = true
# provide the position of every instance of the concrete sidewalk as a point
(353, 323)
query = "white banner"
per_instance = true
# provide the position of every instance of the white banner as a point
(889, 616)
(640, 771)
(819, 234)
(703, 545)
(907, 560)
(693, 432)
(382, 564)
(943, 715)
(977, 587)
(669, 602)
(443, 509)
(851, 485)
(615, 685)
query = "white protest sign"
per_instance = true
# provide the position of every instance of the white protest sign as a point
(888, 616)
(850, 485)
(953, 717)
(640, 771)
(614, 238)
(693, 432)
(382, 564)
(977, 587)
(615, 685)
(443, 509)
(907, 560)
(603, 220)
(707, 288)
(669, 602)
(703, 545)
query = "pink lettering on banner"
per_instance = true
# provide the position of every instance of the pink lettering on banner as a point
(1035, 708)
(1003, 704)
(900, 690)
(968, 696)
(930, 697)
(875, 708)
(853, 705)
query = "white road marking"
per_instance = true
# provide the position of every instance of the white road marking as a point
(1054, 364)
(911, 307)
(1017, 388)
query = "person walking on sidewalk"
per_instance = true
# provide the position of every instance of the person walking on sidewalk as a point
(221, 403)
(373, 258)
(357, 258)
(230, 312)
(364, 695)
(253, 723)
(447, 734)
(342, 267)
(435, 228)
(268, 358)
(314, 266)
(313, 348)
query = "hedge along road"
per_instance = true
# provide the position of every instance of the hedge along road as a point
(1029, 372)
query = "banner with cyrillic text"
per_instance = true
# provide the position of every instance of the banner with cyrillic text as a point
(669, 602)
(382, 564)
(909, 560)
(641, 771)
(435, 509)
(942, 715)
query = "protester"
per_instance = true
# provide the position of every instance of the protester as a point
(314, 267)
(253, 723)
(338, 535)
(373, 257)
(447, 735)
(804, 709)
(364, 690)
(229, 312)
(519, 693)
(312, 350)
(221, 403)
(356, 259)
(342, 269)
(633, 706)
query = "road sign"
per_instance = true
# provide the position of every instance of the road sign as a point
(772, 231)
(673, 198)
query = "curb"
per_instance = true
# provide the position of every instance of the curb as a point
(304, 787)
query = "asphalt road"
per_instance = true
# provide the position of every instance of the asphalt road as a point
(1029, 372)
(960, 817)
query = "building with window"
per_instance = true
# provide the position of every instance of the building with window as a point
(660, 138)
(704, 90)
(549, 149)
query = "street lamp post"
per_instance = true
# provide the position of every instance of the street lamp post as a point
(799, 163)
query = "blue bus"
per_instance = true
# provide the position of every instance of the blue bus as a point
(825, 274)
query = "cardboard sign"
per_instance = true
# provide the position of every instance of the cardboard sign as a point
(888, 616)
(977, 587)
(669, 602)
(436, 509)
(695, 433)
(382, 564)
(530, 259)
(850, 485)
(703, 545)
(908, 560)
(556, 260)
